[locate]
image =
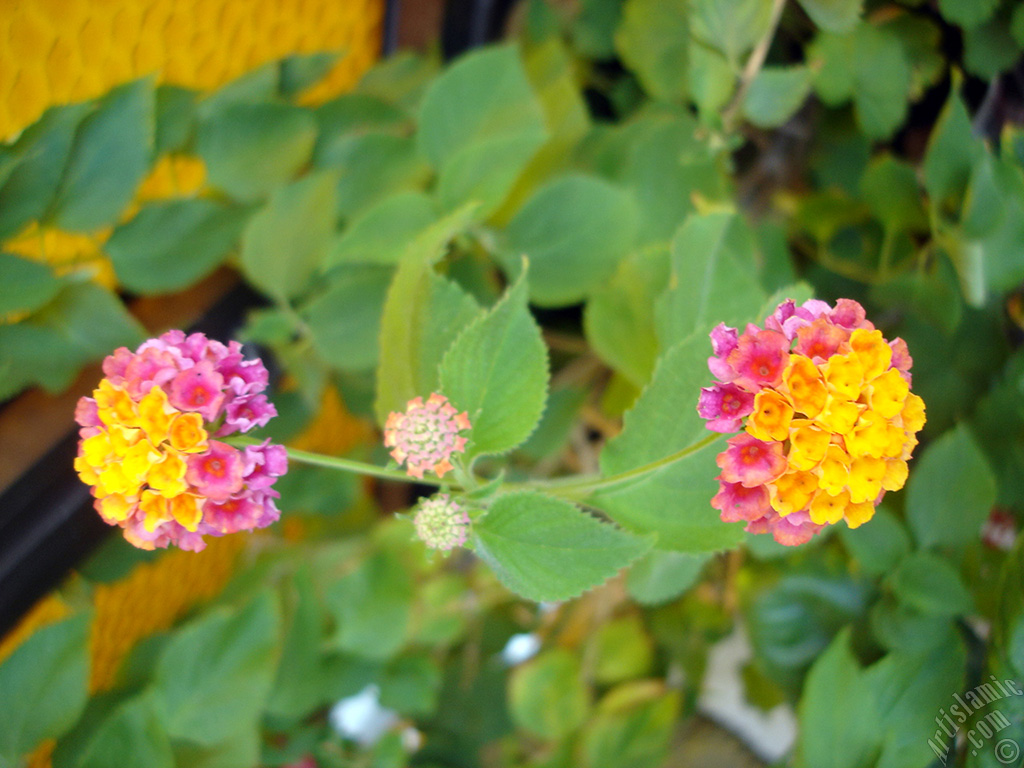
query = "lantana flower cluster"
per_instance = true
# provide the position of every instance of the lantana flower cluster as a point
(827, 415)
(441, 523)
(147, 443)
(425, 436)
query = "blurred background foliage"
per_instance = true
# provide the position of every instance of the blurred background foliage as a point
(666, 165)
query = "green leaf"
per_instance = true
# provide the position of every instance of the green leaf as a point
(303, 70)
(112, 152)
(25, 285)
(250, 149)
(711, 83)
(423, 314)
(357, 113)
(34, 355)
(43, 151)
(674, 501)
(880, 546)
(214, 676)
(834, 15)
(400, 79)
(44, 683)
(890, 188)
(240, 750)
(829, 736)
(653, 41)
(870, 66)
(619, 318)
(344, 321)
(410, 685)
(930, 584)
(381, 234)
(730, 26)
(299, 685)
(574, 231)
(912, 691)
(480, 123)
(968, 13)
(714, 277)
(593, 29)
(543, 548)
(169, 245)
(547, 696)
(662, 575)
(371, 607)
(990, 49)
(952, 152)
(497, 371)
(176, 117)
(485, 95)
(776, 94)
(950, 492)
(372, 167)
(131, 737)
(633, 726)
(622, 650)
(286, 242)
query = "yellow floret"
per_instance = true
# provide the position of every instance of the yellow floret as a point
(771, 417)
(139, 459)
(870, 437)
(835, 470)
(154, 507)
(187, 433)
(112, 479)
(96, 450)
(185, 509)
(896, 472)
(865, 482)
(858, 514)
(827, 508)
(874, 353)
(806, 386)
(114, 405)
(116, 507)
(913, 413)
(155, 415)
(839, 415)
(166, 477)
(844, 376)
(888, 393)
(808, 444)
(792, 492)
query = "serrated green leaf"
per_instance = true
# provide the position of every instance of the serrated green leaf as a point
(829, 737)
(251, 149)
(952, 151)
(25, 285)
(714, 277)
(653, 41)
(661, 575)
(497, 371)
(131, 737)
(423, 314)
(344, 321)
(485, 172)
(543, 548)
(112, 152)
(776, 94)
(169, 245)
(44, 683)
(950, 491)
(834, 15)
(928, 583)
(42, 152)
(574, 231)
(214, 676)
(547, 696)
(381, 234)
(355, 113)
(371, 607)
(286, 242)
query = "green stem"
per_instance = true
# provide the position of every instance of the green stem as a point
(577, 489)
(345, 465)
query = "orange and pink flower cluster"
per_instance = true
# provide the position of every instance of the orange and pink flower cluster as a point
(147, 443)
(827, 415)
(425, 436)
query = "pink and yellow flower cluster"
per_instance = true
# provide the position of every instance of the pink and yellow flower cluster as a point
(147, 443)
(426, 435)
(827, 415)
